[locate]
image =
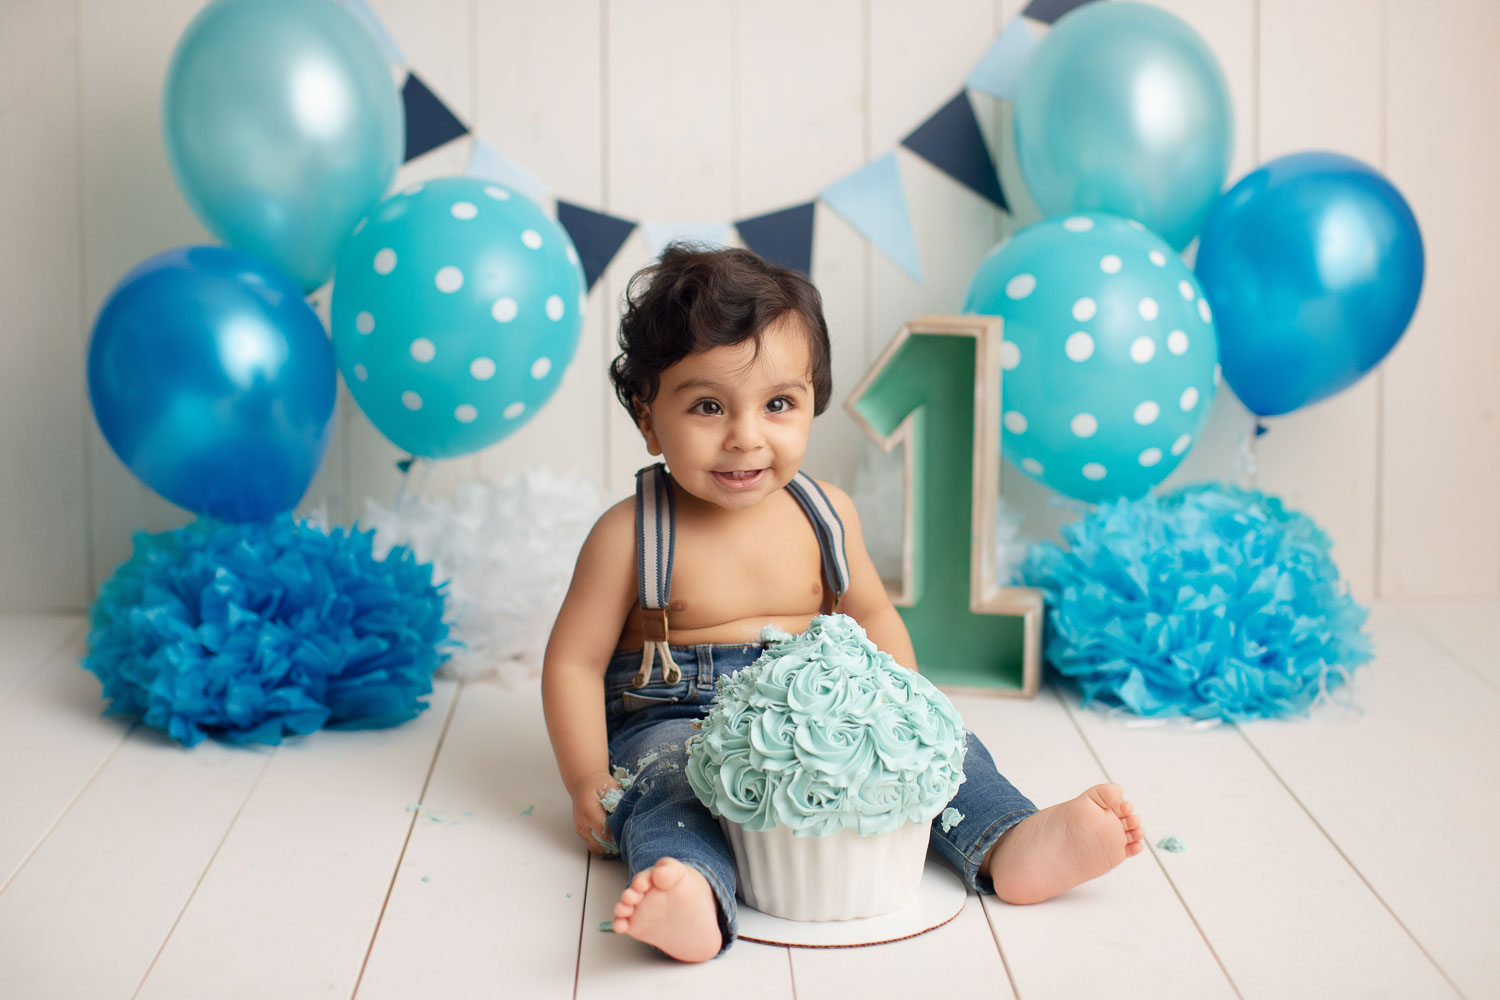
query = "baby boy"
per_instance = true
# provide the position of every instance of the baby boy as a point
(724, 363)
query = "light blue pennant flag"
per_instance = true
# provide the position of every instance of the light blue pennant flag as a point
(1000, 69)
(873, 201)
(388, 46)
(489, 163)
(659, 234)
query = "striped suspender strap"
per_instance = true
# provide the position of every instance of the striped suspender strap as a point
(829, 529)
(653, 534)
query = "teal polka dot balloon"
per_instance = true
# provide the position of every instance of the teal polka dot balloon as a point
(457, 305)
(1110, 358)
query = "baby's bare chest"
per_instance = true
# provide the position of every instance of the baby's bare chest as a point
(726, 585)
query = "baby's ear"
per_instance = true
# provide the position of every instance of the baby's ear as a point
(646, 426)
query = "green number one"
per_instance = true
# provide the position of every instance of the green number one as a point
(935, 392)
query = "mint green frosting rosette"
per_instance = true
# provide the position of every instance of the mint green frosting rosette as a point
(823, 733)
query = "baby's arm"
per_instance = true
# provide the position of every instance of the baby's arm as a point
(866, 600)
(583, 638)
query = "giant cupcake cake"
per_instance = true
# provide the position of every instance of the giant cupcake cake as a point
(826, 762)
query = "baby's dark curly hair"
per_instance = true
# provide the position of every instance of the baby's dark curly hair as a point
(695, 299)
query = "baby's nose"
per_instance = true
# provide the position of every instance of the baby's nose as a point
(745, 434)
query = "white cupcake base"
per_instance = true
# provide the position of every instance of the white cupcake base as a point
(843, 876)
(941, 896)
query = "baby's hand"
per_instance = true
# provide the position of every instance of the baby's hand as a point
(588, 813)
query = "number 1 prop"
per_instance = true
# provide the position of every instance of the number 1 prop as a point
(935, 392)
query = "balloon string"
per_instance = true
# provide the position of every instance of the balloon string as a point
(1245, 466)
(413, 483)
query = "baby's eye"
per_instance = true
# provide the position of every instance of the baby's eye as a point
(707, 407)
(779, 405)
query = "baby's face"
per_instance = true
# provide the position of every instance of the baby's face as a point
(732, 425)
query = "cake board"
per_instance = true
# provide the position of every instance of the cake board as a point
(940, 898)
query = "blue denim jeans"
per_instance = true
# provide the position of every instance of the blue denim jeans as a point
(659, 816)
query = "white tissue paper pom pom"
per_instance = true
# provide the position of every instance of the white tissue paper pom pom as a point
(506, 551)
(1010, 545)
(876, 492)
(877, 495)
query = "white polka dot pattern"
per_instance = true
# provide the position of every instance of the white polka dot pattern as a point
(449, 279)
(454, 314)
(1079, 346)
(1127, 393)
(1010, 355)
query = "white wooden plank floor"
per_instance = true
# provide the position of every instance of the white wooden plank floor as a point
(1351, 855)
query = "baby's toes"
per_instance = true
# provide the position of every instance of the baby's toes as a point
(1134, 847)
(631, 896)
(641, 884)
(624, 911)
(1131, 822)
(1124, 809)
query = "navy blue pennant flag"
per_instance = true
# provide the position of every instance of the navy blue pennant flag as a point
(951, 141)
(429, 123)
(1048, 11)
(783, 237)
(597, 237)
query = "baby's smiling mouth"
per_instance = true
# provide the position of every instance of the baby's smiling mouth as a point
(739, 477)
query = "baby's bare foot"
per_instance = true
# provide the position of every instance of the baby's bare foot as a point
(671, 906)
(1064, 845)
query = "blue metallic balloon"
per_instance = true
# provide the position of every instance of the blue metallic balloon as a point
(1108, 354)
(456, 308)
(214, 382)
(282, 126)
(1314, 264)
(1123, 109)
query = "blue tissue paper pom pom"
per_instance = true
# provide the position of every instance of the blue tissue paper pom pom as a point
(1210, 602)
(249, 632)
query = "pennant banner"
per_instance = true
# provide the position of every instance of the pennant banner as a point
(1048, 11)
(1000, 69)
(488, 162)
(951, 141)
(659, 234)
(429, 123)
(783, 237)
(597, 237)
(872, 201)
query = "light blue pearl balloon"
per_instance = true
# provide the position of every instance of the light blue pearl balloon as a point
(1123, 109)
(283, 127)
(456, 308)
(1109, 356)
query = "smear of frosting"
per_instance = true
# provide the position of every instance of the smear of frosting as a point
(951, 817)
(825, 732)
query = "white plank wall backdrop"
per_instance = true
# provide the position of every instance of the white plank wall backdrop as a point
(678, 110)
